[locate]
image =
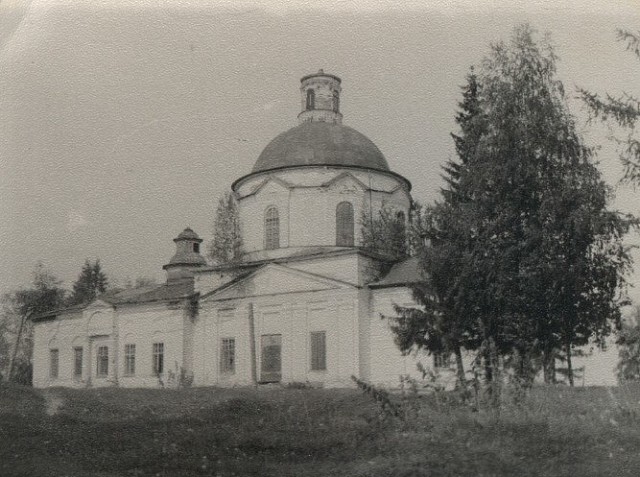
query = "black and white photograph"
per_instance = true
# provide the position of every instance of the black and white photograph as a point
(359, 238)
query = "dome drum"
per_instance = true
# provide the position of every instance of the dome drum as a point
(311, 184)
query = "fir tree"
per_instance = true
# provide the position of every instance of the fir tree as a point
(226, 246)
(90, 283)
(443, 323)
(624, 110)
(469, 119)
(523, 259)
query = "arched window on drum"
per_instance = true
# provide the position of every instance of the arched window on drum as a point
(271, 229)
(344, 224)
(401, 221)
(311, 99)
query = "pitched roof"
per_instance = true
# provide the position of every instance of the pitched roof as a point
(402, 273)
(165, 292)
(148, 294)
(308, 253)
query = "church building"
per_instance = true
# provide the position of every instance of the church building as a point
(305, 304)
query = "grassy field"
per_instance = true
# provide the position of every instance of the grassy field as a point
(304, 432)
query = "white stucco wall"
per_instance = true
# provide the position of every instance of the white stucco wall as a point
(293, 316)
(62, 335)
(103, 325)
(387, 363)
(307, 201)
(144, 326)
(595, 367)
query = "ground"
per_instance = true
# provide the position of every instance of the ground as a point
(558, 431)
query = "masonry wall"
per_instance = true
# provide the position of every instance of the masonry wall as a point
(143, 326)
(593, 367)
(105, 327)
(307, 209)
(293, 317)
(62, 335)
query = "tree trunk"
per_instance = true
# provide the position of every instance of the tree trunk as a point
(569, 365)
(495, 374)
(12, 363)
(488, 373)
(462, 382)
(549, 367)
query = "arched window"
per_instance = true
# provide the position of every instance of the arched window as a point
(344, 224)
(402, 221)
(336, 102)
(311, 99)
(271, 229)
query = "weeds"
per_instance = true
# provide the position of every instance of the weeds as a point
(370, 432)
(388, 407)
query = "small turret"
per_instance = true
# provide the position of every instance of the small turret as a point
(320, 98)
(187, 257)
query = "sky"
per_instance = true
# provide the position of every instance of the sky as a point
(123, 122)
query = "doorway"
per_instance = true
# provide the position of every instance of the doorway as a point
(271, 358)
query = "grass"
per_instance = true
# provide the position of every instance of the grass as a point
(303, 432)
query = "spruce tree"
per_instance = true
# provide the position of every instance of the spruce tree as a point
(226, 246)
(90, 283)
(524, 258)
(543, 228)
(443, 323)
(623, 109)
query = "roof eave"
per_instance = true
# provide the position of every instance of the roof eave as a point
(237, 182)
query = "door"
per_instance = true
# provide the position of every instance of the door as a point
(271, 359)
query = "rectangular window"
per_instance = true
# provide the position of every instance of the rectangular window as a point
(318, 351)
(228, 355)
(130, 359)
(103, 361)
(442, 360)
(77, 362)
(53, 363)
(158, 358)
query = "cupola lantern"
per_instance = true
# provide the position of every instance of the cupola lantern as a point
(320, 98)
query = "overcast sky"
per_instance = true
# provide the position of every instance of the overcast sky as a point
(122, 122)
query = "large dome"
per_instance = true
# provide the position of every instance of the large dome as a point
(317, 143)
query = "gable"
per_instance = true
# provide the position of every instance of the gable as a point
(345, 182)
(271, 185)
(275, 279)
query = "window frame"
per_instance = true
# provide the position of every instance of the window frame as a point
(54, 363)
(311, 100)
(228, 355)
(318, 355)
(102, 361)
(129, 359)
(335, 101)
(442, 360)
(78, 361)
(157, 358)
(345, 224)
(271, 228)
